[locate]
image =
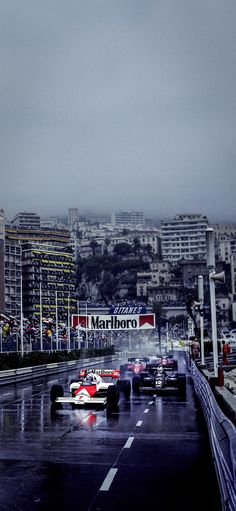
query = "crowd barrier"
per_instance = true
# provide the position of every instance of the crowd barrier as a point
(222, 435)
(29, 373)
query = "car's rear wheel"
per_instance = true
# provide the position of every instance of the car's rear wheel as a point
(125, 387)
(136, 383)
(113, 395)
(55, 392)
(122, 369)
(181, 379)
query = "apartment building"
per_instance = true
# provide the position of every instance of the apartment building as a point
(72, 218)
(2, 265)
(48, 275)
(12, 239)
(12, 278)
(225, 241)
(184, 237)
(128, 218)
(26, 219)
(159, 275)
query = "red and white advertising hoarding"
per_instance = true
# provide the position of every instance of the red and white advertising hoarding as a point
(114, 322)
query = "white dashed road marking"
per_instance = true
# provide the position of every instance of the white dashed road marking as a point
(108, 479)
(129, 442)
(146, 410)
(139, 423)
(7, 394)
(151, 402)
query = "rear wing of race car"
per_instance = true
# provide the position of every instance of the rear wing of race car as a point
(111, 373)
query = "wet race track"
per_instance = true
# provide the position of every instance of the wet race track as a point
(153, 453)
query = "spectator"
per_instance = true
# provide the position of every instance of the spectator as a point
(195, 349)
(226, 351)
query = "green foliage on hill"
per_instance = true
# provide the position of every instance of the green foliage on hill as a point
(109, 272)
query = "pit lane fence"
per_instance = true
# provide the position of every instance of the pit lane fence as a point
(222, 436)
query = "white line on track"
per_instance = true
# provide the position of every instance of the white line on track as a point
(7, 394)
(139, 423)
(129, 442)
(146, 410)
(108, 479)
(151, 402)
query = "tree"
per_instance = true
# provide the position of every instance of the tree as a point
(148, 249)
(122, 249)
(107, 286)
(136, 246)
(93, 245)
(106, 243)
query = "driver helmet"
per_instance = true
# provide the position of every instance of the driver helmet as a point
(88, 378)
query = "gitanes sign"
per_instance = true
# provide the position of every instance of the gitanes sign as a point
(127, 309)
(114, 322)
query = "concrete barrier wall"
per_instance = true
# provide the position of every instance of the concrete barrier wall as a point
(222, 436)
(30, 373)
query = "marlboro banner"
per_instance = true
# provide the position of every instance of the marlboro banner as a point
(114, 322)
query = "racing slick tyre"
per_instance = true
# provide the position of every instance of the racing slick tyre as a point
(55, 392)
(122, 369)
(136, 383)
(143, 374)
(113, 395)
(181, 381)
(125, 387)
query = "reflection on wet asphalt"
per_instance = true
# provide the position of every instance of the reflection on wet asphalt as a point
(153, 449)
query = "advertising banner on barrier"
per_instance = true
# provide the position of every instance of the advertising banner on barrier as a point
(114, 322)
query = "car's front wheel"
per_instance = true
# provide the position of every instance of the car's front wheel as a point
(55, 392)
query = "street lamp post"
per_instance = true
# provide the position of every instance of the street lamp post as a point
(21, 318)
(56, 323)
(201, 300)
(41, 319)
(210, 241)
(86, 332)
(68, 322)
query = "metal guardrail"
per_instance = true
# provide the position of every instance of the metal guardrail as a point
(29, 373)
(222, 435)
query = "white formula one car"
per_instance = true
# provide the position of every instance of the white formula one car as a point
(91, 389)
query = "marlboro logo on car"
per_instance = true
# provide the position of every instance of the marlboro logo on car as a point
(114, 322)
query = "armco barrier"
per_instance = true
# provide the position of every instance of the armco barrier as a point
(29, 373)
(222, 435)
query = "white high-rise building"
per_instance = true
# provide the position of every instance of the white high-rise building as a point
(26, 219)
(72, 217)
(128, 217)
(184, 237)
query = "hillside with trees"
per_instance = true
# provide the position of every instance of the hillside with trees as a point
(112, 277)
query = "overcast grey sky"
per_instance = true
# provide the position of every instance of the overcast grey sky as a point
(118, 104)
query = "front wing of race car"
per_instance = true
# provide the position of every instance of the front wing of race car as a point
(82, 401)
(90, 395)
